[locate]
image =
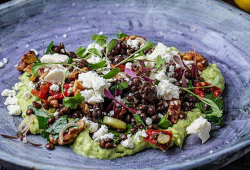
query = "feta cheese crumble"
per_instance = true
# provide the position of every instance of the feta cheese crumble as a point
(200, 128)
(94, 59)
(54, 87)
(5, 60)
(55, 76)
(128, 143)
(149, 121)
(92, 96)
(1, 64)
(91, 126)
(161, 50)
(101, 132)
(167, 90)
(141, 133)
(14, 110)
(11, 100)
(54, 58)
(7, 92)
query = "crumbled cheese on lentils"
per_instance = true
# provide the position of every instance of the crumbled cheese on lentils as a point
(167, 90)
(128, 143)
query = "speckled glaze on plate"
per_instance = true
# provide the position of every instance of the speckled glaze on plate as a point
(219, 32)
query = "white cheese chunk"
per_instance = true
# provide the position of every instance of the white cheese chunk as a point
(5, 60)
(55, 76)
(141, 133)
(167, 90)
(133, 43)
(1, 64)
(128, 143)
(107, 136)
(92, 126)
(161, 75)
(149, 121)
(128, 65)
(92, 96)
(54, 58)
(11, 100)
(161, 50)
(94, 59)
(54, 87)
(200, 128)
(92, 80)
(14, 109)
(7, 92)
(102, 131)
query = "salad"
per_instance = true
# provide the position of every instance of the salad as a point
(116, 98)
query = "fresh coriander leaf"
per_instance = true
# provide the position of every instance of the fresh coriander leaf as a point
(97, 65)
(58, 125)
(164, 122)
(112, 73)
(190, 84)
(42, 121)
(72, 102)
(49, 47)
(80, 51)
(123, 85)
(100, 120)
(129, 126)
(45, 134)
(215, 119)
(34, 68)
(99, 39)
(129, 104)
(160, 62)
(86, 56)
(138, 119)
(55, 136)
(110, 46)
(121, 35)
(39, 112)
(95, 51)
(70, 60)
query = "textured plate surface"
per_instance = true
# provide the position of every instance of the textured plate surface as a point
(218, 31)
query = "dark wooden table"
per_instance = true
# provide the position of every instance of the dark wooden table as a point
(241, 164)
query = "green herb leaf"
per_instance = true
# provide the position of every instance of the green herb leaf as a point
(95, 51)
(58, 125)
(99, 39)
(160, 62)
(42, 121)
(114, 132)
(80, 51)
(138, 119)
(148, 45)
(121, 86)
(100, 120)
(112, 73)
(215, 81)
(34, 68)
(215, 119)
(110, 46)
(38, 59)
(97, 65)
(49, 47)
(45, 134)
(164, 122)
(120, 35)
(70, 60)
(39, 112)
(72, 102)
(86, 56)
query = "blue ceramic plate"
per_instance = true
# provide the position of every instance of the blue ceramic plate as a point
(218, 31)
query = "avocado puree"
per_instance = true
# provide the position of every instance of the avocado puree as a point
(24, 102)
(210, 73)
(85, 146)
